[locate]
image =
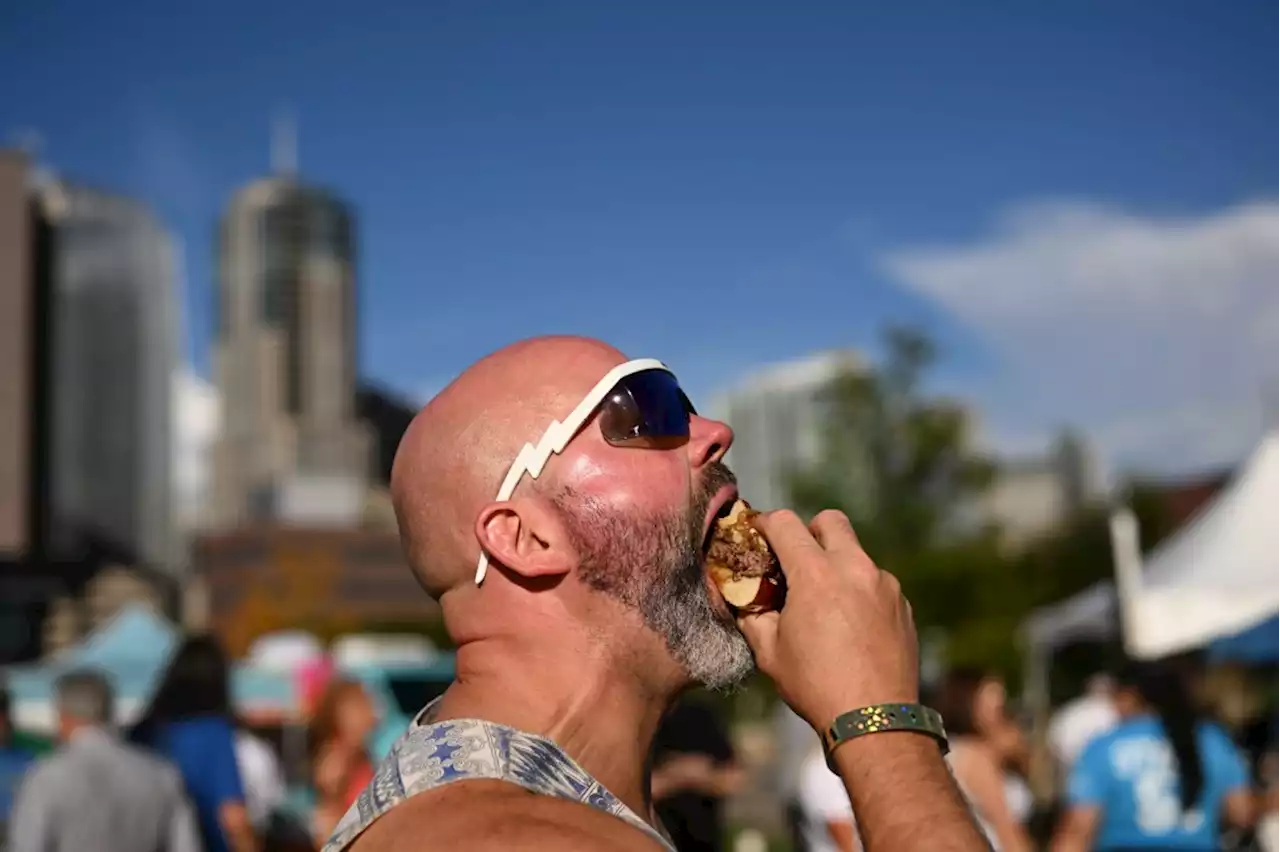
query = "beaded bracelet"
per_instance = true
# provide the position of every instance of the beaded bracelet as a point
(879, 718)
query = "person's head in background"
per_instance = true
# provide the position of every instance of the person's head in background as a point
(1162, 689)
(344, 716)
(195, 684)
(972, 702)
(1149, 688)
(1100, 685)
(83, 700)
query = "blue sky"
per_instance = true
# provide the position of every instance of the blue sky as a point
(728, 184)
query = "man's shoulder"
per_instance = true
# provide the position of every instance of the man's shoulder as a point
(143, 761)
(493, 815)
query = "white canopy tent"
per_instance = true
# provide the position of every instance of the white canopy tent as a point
(1087, 616)
(1215, 577)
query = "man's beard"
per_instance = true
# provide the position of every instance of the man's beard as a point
(654, 565)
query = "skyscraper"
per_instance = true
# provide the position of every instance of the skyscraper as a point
(87, 349)
(291, 446)
(111, 353)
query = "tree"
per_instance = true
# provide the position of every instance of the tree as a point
(898, 462)
(902, 465)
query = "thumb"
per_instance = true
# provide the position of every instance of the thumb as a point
(761, 632)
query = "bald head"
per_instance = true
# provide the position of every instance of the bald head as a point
(605, 543)
(453, 456)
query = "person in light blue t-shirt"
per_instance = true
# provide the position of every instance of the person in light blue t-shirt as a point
(1162, 779)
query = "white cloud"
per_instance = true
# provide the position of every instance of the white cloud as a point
(196, 418)
(1158, 335)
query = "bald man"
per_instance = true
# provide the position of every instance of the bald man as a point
(555, 499)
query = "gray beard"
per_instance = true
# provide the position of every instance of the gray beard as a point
(654, 566)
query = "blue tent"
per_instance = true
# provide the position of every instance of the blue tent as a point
(131, 650)
(1258, 645)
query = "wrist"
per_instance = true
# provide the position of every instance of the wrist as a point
(831, 710)
(880, 719)
(886, 752)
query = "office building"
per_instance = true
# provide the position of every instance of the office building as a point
(1032, 496)
(291, 448)
(111, 360)
(87, 349)
(778, 418)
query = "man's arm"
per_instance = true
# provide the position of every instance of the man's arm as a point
(31, 820)
(845, 639)
(904, 795)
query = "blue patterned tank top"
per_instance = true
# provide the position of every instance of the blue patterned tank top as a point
(433, 754)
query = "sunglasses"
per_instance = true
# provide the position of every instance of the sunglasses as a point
(639, 403)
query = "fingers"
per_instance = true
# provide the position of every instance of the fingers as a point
(789, 538)
(761, 633)
(833, 531)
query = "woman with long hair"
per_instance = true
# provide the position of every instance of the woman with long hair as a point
(190, 722)
(340, 763)
(984, 742)
(1162, 779)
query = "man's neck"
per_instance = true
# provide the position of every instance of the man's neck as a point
(596, 710)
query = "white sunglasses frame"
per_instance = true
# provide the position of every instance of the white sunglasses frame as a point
(533, 457)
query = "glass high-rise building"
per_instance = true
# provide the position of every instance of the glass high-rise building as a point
(291, 446)
(108, 310)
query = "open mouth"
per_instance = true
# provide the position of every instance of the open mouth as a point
(720, 507)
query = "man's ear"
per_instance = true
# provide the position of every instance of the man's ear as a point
(526, 536)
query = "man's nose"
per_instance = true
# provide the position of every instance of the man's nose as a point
(709, 440)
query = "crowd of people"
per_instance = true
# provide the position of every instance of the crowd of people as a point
(188, 776)
(1137, 767)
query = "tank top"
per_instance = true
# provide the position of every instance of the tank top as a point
(987, 829)
(434, 754)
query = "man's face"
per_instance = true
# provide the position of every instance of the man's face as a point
(639, 518)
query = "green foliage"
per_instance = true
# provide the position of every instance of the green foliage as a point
(896, 461)
(902, 465)
(899, 463)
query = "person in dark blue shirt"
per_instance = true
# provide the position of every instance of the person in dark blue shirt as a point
(190, 722)
(14, 761)
(1163, 779)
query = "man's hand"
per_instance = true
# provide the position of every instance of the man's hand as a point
(843, 640)
(845, 637)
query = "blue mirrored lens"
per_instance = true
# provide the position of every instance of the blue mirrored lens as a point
(645, 405)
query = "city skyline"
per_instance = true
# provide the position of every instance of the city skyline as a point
(1078, 201)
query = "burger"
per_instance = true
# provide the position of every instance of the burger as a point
(741, 564)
